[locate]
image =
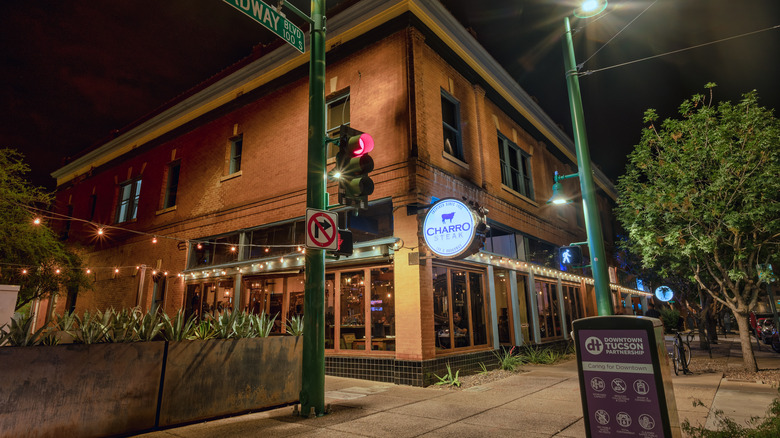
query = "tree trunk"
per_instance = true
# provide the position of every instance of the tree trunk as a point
(705, 300)
(744, 340)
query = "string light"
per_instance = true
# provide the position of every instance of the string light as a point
(154, 239)
(24, 271)
(100, 231)
(37, 221)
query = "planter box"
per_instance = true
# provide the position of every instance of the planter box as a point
(111, 389)
(79, 390)
(206, 379)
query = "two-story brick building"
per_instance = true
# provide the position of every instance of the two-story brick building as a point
(201, 205)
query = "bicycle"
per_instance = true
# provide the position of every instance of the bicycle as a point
(681, 352)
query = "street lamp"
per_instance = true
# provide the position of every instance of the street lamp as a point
(598, 259)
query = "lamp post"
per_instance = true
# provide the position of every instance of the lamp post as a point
(598, 259)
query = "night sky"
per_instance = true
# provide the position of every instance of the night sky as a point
(74, 70)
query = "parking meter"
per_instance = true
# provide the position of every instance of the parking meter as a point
(625, 384)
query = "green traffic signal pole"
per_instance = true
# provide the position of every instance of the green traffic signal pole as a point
(313, 370)
(598, 259)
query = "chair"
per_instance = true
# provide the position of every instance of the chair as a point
(347, 340)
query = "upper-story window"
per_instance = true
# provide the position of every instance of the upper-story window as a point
(171, 184)
(450, 115)
(515, 167)
(236, 146)
(337, 114)
(127, 205)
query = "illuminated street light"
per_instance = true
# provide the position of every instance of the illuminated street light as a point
(598, 259)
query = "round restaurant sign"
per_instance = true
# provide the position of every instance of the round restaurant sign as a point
(664, 293)
(449, 228)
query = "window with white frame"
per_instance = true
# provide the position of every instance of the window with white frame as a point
(127, 205)
(450, 115)
(515, 167)
(337, 114)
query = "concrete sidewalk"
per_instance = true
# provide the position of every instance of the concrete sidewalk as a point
(544, 401)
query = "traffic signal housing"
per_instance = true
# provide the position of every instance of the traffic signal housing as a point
(353, 165)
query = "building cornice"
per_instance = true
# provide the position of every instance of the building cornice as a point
(349, 24)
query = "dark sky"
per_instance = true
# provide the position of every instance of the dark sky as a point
(74, 70)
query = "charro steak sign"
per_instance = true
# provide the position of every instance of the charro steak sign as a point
(449, 228)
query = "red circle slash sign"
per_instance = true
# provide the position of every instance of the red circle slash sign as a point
(322, 230)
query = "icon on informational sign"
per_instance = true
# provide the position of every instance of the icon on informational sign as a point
(602, 417)
(623, 419)
(641, 387)
(597, 383)
(646, 421)
(619, 385)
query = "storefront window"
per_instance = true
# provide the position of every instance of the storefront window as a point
(571, 298)
(330, 310)
(463, 294)
(353, 307)
(547, 304)
(295, 288)
(525, 310)
(382, 310)
(501, 280)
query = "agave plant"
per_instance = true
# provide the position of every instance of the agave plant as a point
(203, 330)
(295, 326)
(263, 324)
(242, 326)
(123, 325)
(179, 328)
(19, 333)
(149, 326)
(225, 324)
(92, 328)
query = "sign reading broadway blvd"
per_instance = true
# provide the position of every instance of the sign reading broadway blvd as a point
(271, 19)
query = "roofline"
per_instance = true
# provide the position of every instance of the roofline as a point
(347, 25)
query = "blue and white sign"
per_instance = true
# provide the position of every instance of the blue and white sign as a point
(449, 228)
(664, 293)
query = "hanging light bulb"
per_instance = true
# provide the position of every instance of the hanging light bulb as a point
(116, 270)
(24, 271)
(37, 221)
(57, 271)
(89, 271)
(200, 246)
(100, 231)
(233, 249)
(154, 239)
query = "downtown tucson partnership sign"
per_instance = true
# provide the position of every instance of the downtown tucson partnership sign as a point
(622, 382)
(271, 19)
(450, 229)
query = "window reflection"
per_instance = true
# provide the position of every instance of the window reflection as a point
(353, 316)
(459, 308)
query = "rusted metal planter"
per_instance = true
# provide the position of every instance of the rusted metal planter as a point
(112, 389)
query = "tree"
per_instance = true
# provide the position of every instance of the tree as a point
(702, 191)
(31, 254)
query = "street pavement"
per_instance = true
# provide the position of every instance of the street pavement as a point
(543, 401)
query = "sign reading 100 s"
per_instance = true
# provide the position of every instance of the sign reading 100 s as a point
(452, 229)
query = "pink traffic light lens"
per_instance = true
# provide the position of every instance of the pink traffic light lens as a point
(365, 144)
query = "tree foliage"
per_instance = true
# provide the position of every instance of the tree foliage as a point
(701, 193)
(25, 245)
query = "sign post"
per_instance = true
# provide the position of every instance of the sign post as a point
(312, 396)
(625, 384)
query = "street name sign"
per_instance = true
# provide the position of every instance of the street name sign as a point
(271, 19)
(321, 229)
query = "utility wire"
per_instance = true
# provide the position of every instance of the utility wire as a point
(590, 72)
(579, 66)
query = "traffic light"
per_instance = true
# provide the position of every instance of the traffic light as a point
(353, 165)
(570, 255)
(345, 243)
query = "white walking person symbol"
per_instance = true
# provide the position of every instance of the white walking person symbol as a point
(566, 256)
